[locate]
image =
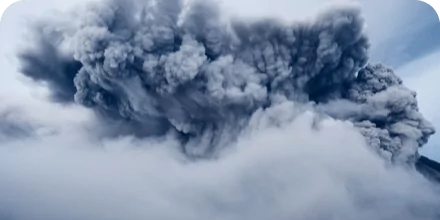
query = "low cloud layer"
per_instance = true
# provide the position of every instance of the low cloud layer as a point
(297, 169)
(186, 115)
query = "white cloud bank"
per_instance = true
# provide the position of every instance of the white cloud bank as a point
(303, 169)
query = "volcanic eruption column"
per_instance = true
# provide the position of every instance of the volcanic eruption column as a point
(160, 67)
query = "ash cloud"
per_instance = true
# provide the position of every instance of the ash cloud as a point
(44, 62)
(286, 121)
(159, 69)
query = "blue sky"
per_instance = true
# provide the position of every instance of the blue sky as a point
(405, 35)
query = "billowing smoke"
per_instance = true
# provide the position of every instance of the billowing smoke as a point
(161, 68)
(202, 117)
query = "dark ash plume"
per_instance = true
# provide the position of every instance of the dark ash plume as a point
(46, 63)
(162, 68)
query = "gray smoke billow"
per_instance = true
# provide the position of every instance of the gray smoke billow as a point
(169, 110)
(158, 67)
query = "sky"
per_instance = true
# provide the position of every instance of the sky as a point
(404, 35)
